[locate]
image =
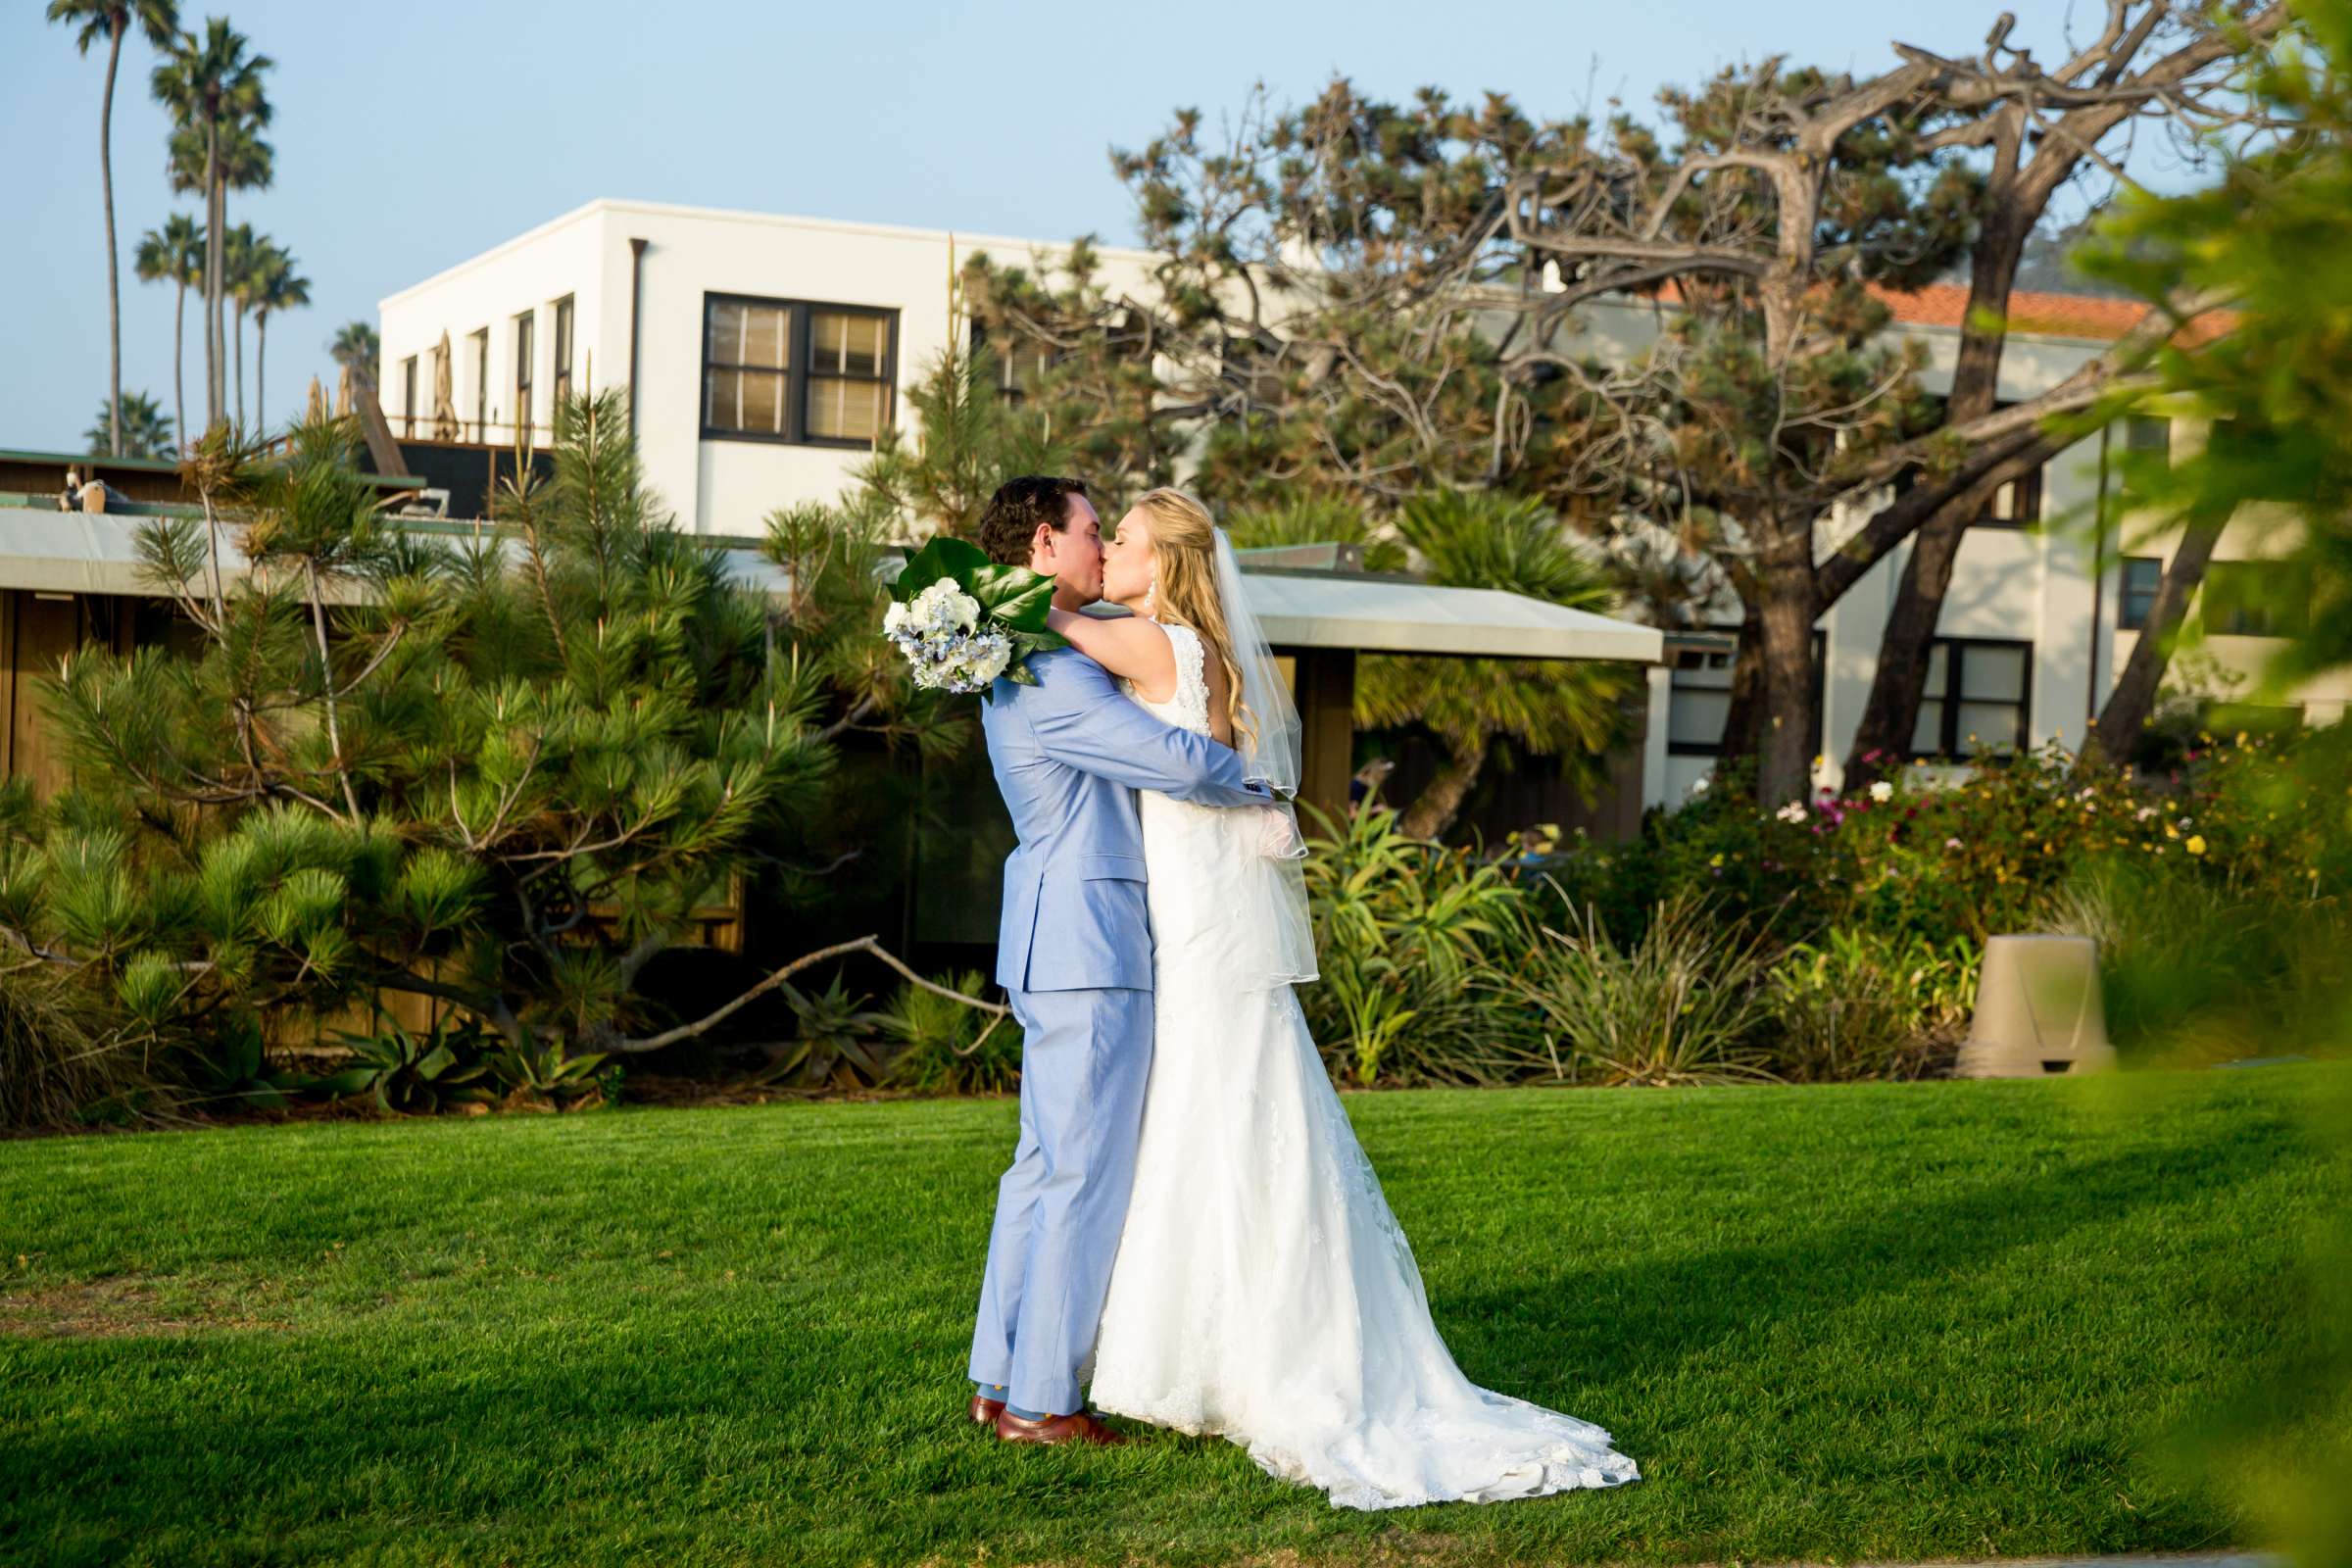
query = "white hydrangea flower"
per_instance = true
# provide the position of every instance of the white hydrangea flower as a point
(1882, 792)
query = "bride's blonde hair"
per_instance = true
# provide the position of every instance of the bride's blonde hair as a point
(1184, 556)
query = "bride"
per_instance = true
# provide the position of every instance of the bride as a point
(1262, 1290)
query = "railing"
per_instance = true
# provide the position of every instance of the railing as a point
(492, 432)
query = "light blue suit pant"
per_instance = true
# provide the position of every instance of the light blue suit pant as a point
(1085, 1058)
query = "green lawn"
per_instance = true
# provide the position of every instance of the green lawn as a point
(1885, 1321)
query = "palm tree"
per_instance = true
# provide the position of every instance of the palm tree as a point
(174, 254)
(277, 288)
(110, 19)
(240, 256)
(214, 87)
(132, 426)
(244, 162)
(1483, 539)
(355, 346)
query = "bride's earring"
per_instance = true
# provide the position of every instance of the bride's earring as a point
(1151, 593)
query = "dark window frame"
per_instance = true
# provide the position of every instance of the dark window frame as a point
(2126, 596)
(796, 373)
(527, 346)
(1821, 663)
(1010, 385)
(408, 397)
(2135, 424)
(563, 328)
(1955, 659)
(2029, 492)
(480, 341)
(2281, 619)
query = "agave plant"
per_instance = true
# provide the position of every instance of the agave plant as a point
(838, 1044)
(409, 1074)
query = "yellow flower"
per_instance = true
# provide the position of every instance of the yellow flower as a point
(1714, 859)
(2195, 843)
(2171, 832)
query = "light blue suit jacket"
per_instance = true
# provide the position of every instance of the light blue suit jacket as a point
(1069, 754)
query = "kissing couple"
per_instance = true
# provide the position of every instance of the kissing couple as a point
(1189, 1221)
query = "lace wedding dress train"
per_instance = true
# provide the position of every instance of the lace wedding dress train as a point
(1262, 1290)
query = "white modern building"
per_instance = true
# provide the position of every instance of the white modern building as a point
(763, 354)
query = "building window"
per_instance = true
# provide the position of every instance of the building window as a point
(792, 370)
(1698, 702)
(1020, 364)
(408, 396)
(2013, 504)
(2135, 597)
(2144, 432)
(2256, 599)
(525, 330)
(562, 351)
(1977, 697)
(479, 342)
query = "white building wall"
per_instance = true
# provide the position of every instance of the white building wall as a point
(719, 485)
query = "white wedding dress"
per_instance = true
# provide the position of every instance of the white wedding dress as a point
(1262, 1290)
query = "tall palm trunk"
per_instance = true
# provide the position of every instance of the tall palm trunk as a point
(212, 241)
(179, 345)
(260, 351)
(240, 336)
(114, 279)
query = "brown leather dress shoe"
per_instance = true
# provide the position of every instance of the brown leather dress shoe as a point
(984, 1410)
(1081, 1427)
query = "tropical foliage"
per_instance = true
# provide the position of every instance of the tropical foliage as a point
(142, 432)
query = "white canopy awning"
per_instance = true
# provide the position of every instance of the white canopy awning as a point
(82, 553)
(1307, 608)
(97, 553)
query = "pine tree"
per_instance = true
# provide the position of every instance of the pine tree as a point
(501, 773)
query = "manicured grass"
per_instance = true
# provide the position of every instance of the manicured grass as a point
(1898, 1321)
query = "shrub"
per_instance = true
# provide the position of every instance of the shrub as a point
(1677, 1006)
(60, 1065)
(1406, 934)
(949, 1049)
(1866, 1003)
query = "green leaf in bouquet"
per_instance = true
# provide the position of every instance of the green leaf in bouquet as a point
(1014, 595)
(945, 556)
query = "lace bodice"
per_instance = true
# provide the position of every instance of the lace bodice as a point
(1188, 709)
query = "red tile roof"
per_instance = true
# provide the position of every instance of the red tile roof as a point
(2085, 316)
(2076, 315)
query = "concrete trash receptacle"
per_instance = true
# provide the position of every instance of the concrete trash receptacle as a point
(2039, 1012)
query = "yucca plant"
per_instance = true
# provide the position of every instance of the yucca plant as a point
(1405, 931)
(1680, 1005)
(948, 1048)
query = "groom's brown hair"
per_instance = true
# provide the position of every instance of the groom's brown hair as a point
(1011, 520)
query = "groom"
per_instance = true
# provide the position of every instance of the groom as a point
(1074, 956)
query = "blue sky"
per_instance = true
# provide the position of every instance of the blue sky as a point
(411, 136)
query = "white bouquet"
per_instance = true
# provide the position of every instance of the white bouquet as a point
(964, 622)
(939, 632)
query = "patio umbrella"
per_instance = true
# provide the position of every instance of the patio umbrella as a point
(445, 395)
(317, 408)
(343, 394)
